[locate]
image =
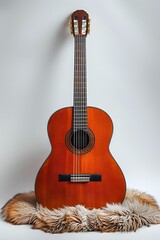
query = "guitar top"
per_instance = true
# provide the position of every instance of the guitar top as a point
(80, 168)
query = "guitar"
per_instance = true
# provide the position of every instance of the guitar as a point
(80, 168)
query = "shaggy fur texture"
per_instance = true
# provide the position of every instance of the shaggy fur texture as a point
(138, 209)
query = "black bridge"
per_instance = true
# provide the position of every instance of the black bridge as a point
(79, 178)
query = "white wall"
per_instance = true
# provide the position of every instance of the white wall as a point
(36, 78)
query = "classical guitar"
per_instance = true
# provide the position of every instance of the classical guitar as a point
(80, 168)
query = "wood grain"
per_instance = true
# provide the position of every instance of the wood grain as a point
(53, 194)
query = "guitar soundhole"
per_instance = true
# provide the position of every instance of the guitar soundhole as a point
(80, 141)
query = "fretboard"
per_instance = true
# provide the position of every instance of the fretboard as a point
(80, 85)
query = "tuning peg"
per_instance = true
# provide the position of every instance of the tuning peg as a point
(70, 24)
(89, 25)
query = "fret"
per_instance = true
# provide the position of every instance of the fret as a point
(79, 51)
(80, 94)
(76, 125)
(78, 106)
(81, 74)
(80, 43)
(80, 103)
(80, 128)
(79, 90)
(79, 57)
(83, 103)
(83, 119)
(80, 123)
(82, 115)
(82, 110)
(79, 97)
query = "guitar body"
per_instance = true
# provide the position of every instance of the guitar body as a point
(95, 158)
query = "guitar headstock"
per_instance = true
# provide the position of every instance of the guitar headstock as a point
(80, 23)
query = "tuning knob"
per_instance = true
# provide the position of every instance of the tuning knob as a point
(89, 25)
(70, 25)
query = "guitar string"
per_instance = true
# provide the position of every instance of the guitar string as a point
(75, 108)
(84, 63)
(84, 86)
(77, 76)
(78, 82)
(74, 103)
(76, 95)
(83, 99)
(85, 93)
(79, 99)
(77, 85)
(84, 51)
(77, 120)
(75, 136)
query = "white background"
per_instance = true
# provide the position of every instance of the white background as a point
(36, 79)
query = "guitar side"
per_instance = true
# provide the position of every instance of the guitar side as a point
(52, 193)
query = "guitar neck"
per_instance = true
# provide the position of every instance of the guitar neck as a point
(80, 84)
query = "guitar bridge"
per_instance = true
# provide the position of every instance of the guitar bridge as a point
(79, 178)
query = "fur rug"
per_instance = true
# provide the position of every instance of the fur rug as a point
(138, 209)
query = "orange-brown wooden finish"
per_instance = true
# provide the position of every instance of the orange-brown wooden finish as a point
(53, 194)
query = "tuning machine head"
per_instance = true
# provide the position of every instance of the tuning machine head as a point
(89, 21)
(70, 25)
(79, 23)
